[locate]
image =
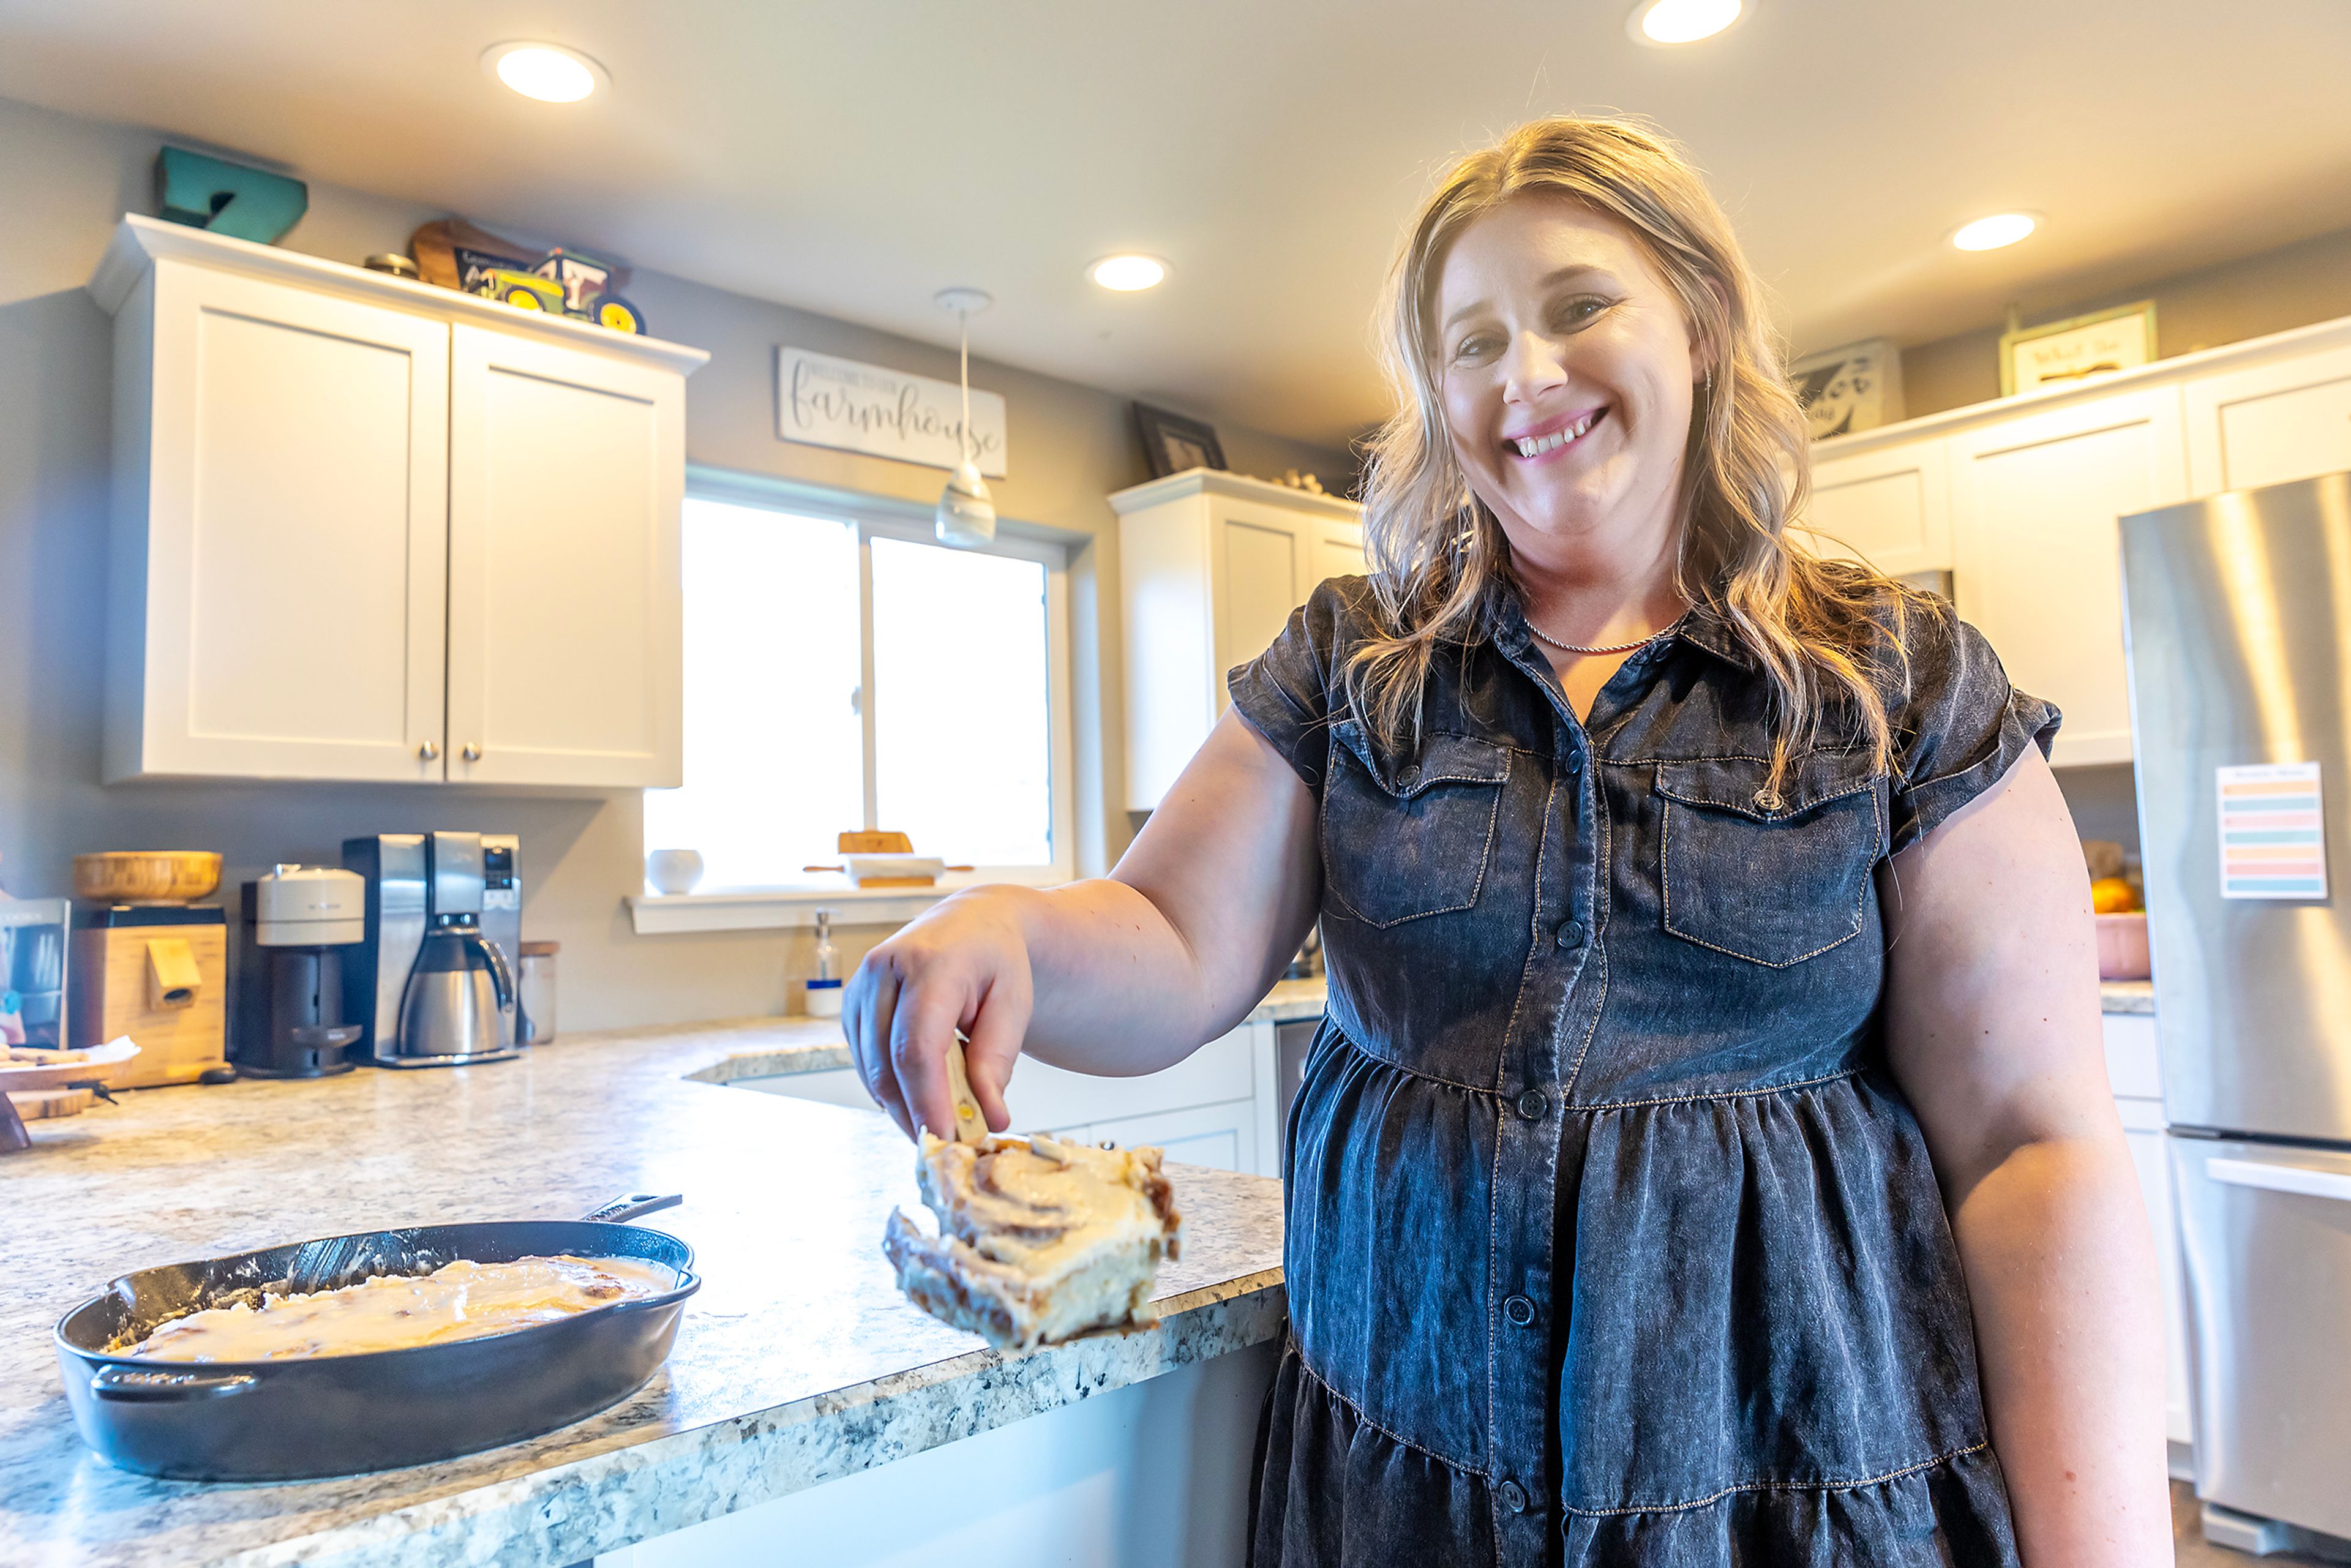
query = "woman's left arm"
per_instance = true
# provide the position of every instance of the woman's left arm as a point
(1993, 1029)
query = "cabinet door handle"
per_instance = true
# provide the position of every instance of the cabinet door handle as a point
(430, 751)
(471, 753)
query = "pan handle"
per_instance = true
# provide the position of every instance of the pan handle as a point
(136, 1385)
(630, 1204)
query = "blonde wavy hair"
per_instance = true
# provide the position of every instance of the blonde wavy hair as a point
(1820, 630)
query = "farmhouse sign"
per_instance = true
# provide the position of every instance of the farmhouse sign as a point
(824, 402)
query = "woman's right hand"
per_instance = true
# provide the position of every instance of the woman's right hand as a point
(963, 965)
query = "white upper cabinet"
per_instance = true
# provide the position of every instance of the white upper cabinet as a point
(566, 475)
(276, 603)
(1337, 550)
(2019, 499)
(1211, 566)
(363, 525)
(2266, 424)
(1889, 507)
(2034, 500)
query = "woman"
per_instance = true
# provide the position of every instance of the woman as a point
(1708, 1157)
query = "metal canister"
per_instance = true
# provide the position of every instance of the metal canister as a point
(536, 986)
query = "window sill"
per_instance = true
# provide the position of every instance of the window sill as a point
(795, 908)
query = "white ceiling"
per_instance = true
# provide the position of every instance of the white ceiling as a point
(854, 158)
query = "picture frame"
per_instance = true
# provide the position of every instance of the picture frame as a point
(1857, 387)
(1171, 443)
(2067, 352)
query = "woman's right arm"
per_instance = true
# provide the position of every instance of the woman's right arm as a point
(1118, 976)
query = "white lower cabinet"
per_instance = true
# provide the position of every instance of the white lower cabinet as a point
(1204, 1110)
(1223, 1137)
(2136, 1072)
(369, 530)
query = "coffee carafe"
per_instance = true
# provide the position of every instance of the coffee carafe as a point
(458, 993)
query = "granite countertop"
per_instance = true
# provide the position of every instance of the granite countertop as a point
(798, 1362)
(2126, 996)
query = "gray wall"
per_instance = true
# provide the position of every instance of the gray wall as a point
(2291, 285)
(65, 183)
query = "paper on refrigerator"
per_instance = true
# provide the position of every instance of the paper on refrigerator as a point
(2273, 831)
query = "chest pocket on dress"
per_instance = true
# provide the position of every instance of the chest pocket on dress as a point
(1771, 879)
(1408, 836)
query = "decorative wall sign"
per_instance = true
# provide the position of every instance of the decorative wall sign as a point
(2273, 831)
(2060, 353)
(824, 402)
(1857, 387)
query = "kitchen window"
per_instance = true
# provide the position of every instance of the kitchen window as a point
(842, 671)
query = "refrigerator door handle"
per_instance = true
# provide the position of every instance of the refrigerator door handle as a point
(2279, 1177)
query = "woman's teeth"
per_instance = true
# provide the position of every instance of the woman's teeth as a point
(1535, 447)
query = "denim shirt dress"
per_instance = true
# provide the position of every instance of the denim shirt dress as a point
(1611, 1238)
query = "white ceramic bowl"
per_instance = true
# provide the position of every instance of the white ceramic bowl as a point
(674, 870)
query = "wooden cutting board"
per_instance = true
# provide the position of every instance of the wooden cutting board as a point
(33, 1105)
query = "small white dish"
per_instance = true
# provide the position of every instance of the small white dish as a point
(674, 870)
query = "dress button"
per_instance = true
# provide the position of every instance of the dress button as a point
(1574, 763)
(1520, 1310)
(1531, 1105)
(1514, 1497)
(1571, 933)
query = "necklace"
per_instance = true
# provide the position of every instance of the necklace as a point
(1542, 636)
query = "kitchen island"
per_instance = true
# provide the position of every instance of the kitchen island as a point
(798, 1362)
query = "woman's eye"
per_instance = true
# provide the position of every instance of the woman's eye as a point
(1579, 311)
(1472, 349)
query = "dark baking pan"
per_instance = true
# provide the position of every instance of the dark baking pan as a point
(342, 1414)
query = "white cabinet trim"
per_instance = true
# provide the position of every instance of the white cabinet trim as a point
(142, 241)
(1235, 486)
(2179, 368)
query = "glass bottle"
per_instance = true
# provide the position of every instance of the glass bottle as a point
(824, 986)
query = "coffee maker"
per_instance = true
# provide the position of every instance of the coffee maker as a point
(432, 982)
(298, 921)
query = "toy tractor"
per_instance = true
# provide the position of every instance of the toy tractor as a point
(565, 283)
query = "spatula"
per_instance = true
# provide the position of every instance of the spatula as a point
(970, 1126)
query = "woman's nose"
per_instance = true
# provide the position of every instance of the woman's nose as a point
(1534, 367)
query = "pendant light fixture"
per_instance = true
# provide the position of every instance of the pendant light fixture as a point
(967, 515)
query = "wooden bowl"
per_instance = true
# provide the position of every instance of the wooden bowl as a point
(146, 876)
(2122, 947)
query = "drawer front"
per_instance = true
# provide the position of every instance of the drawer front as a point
(2134, 1063)
(1221, 1137)
(2265, 1235)
(1043, 1095)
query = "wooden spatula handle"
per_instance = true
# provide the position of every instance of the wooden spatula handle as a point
(970, 1126)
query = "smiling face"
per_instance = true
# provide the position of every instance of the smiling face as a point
(1567, 373)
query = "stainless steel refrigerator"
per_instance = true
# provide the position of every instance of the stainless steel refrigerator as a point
(2238, 620)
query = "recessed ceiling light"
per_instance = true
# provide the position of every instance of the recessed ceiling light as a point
(1681, 21)
(1991, 232)
(548, 72)
(1128, 273)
